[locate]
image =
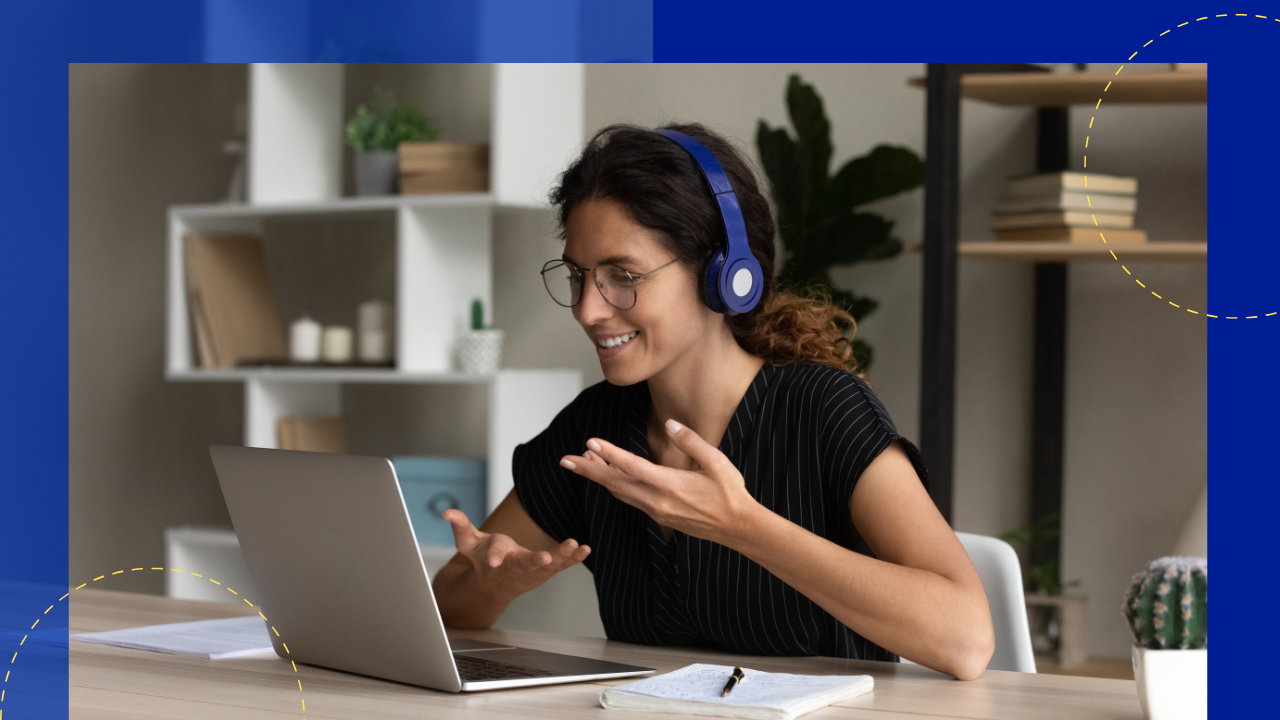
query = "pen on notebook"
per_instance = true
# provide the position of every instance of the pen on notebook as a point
(737, 677)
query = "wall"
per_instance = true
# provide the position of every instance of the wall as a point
(141, 137)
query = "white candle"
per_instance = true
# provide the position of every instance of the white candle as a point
(375, 331)
(374, 346)
(304, 340)
(374, 315)
(337, 344)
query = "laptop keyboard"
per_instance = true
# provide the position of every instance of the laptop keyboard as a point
(474, 668)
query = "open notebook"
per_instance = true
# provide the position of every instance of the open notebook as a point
(696, 690)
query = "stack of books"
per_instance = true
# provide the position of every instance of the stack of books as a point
(1068, 207)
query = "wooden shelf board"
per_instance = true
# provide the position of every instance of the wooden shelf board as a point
(1114, 668)
(1060, 89)
(331, 375)
(1007, 250)
(381, 203)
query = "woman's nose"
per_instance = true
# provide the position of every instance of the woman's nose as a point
(592, 307)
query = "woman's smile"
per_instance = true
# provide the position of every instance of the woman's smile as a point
(610, 346)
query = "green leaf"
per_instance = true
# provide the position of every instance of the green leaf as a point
(852, 238)
(863, 355)
(812, 128)
(881, 173)
(388, 124)
(788, 178)
(1047, 577)
(857, 306)
(1035, 534)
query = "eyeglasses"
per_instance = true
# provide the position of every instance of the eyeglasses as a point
(564, 282)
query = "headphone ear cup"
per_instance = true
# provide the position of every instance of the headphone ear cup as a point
(711, 283)
(741, 284)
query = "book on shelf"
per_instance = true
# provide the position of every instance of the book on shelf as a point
(233, 309)
(195, 304)
(1073, 235)
(312, 433)
(1048, 183)
(1071, 218)
(1066, 200)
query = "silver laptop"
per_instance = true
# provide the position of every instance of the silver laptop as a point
(332, 553)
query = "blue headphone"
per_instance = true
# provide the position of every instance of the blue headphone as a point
(734, 280)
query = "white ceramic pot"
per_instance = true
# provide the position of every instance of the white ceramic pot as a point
(480, 351)
(1172, 684)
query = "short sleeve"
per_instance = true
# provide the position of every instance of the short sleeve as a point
(552, 495)
(855, 429)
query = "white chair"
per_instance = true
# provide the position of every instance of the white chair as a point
(1001, 575)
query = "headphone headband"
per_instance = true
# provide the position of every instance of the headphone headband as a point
(734, 279)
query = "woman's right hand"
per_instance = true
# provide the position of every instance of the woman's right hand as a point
(504, 565)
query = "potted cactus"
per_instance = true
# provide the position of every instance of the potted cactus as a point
(1166, 608)
(480, 349)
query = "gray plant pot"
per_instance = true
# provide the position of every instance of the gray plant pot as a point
(378, 172)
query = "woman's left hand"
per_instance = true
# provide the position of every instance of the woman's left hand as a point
(709, 502)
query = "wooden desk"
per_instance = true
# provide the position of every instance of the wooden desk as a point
(108, 682)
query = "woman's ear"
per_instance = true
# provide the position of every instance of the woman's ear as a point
(700, 280)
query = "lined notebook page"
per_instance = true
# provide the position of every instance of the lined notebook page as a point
(696, 689)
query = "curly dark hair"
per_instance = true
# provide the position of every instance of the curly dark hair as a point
(663, 189)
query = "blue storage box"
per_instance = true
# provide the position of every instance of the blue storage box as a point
(432, 485)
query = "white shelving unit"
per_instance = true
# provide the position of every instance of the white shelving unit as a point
(443, 245)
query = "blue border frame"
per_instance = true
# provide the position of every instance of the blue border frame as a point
(38, 39)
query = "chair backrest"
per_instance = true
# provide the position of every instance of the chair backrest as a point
(1001, 574)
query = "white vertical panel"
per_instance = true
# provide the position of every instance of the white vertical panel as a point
(213, 553)
(521, 404)
(443, 262)
(538, 127)
(178, 356)
(266, 401)
(295, 132)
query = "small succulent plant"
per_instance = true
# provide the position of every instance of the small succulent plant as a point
(1167, 605)
(477, 315)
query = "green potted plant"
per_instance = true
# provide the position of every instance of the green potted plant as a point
(376, 133)
(1167, 610)
(480, 349)
(1045, 572)
(817, 212)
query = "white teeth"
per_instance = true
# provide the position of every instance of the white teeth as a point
(615, 342)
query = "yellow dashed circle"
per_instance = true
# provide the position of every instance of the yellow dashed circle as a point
(1085, 164)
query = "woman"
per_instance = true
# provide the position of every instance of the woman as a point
(731, 483)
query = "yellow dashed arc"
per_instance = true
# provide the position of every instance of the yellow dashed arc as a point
(1085, 164)
(14, 659)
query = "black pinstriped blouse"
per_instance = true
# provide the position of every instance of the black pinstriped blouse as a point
(801, 437)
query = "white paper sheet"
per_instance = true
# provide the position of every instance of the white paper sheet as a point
(212, 639)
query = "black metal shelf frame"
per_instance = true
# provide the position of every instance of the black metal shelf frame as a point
(938, 341)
